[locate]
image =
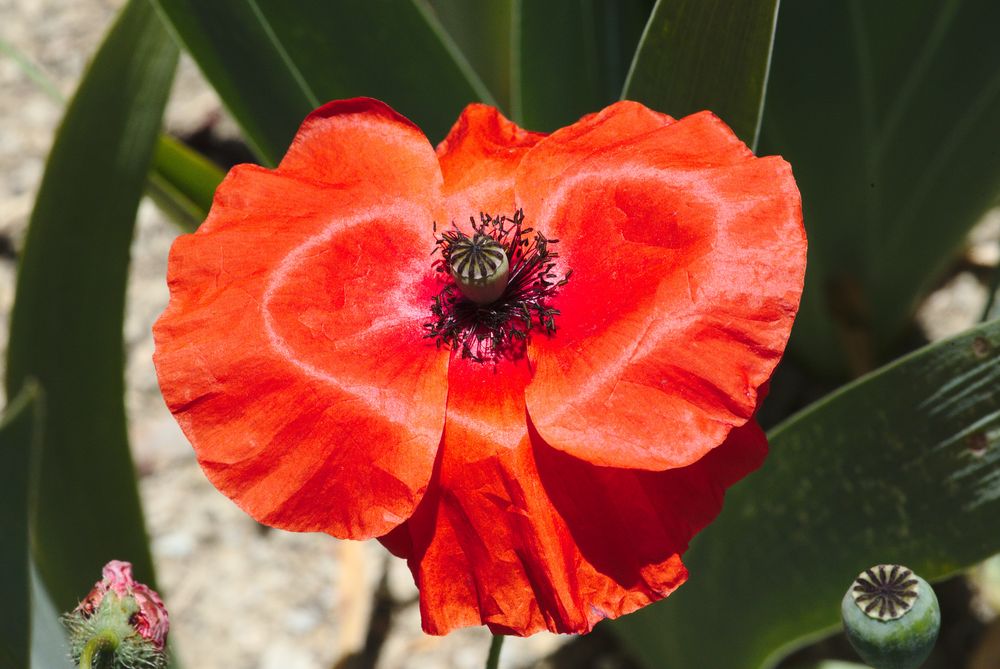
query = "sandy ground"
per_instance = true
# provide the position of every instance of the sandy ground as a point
(239, 596)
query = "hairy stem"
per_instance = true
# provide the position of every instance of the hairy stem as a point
(106, 640)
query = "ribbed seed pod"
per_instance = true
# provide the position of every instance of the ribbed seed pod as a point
(891, 617)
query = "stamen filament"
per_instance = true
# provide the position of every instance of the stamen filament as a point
(484, 323)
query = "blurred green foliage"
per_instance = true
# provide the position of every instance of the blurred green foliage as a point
(66, 326)
(723, 54)
(897, 467)
(890, 115)
(20, 445)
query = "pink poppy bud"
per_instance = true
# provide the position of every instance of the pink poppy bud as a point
(120, 624)
(151, 621)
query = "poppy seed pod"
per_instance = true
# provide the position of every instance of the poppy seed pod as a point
(891, 617)
(479, 266)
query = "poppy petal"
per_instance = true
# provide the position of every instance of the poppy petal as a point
(478, 159)
(292, 352)
(688, 255)
(522, 537)
(361, 143)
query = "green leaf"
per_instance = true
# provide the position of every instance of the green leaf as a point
(481, 30)
(49, 649)
(19, 444)
(571, 57)
(66, 326)
(888, 114)
(274, 61)
(182, 183)
(701, 54)
(902, 466)
(30, 632)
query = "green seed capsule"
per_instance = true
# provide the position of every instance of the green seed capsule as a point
(891, 617)
(480, 267)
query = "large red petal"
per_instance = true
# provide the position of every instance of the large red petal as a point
(292, 352)
(478, 159)
(522, 537)
(688, 256)
(364, 143)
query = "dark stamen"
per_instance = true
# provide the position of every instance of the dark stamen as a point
(484, 332)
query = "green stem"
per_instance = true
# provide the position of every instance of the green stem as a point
(493, 659)
(106, 640)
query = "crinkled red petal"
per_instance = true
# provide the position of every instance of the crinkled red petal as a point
(292, 352)
(688, 255)
(362, 142)
(478, 159)
(522, 537)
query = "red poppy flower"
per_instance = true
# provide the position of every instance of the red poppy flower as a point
(541, 460)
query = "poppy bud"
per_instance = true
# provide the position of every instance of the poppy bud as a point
(480, 267)
(121, 620)
(891, 617)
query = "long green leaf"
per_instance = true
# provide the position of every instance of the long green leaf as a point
(274, 61)
(481, 30)
(902, 466)
(30, 632)
(704, 54)
(889, 113)
(66, 326)
(19, 444)
(182, 181)
(49, 647)
(571, 57)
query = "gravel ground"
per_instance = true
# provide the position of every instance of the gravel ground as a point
(242, 596)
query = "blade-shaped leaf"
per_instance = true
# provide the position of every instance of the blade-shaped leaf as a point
(481, 30)
(888, 112)
(902, 466)
(49, 649)
(30, 632)
(571, 57)
(19, 444)
(66, 326)
(273, 62)
(706, 54)
(182, 183)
